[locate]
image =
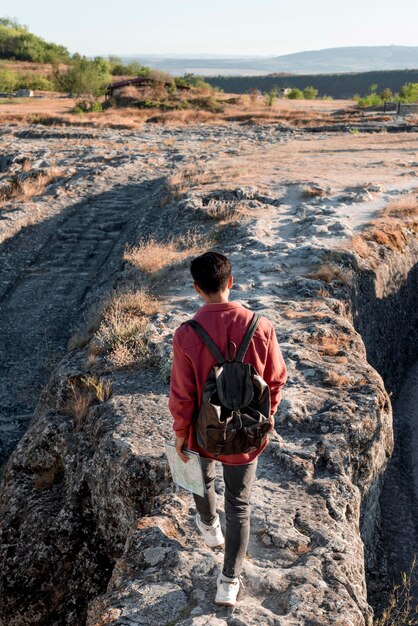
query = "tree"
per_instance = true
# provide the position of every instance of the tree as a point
(386, 94)
(271, 96)
(85, 79)
(310, 93)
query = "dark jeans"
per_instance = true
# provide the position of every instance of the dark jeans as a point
(238, 485)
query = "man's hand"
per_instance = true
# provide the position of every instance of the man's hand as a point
(179, 448)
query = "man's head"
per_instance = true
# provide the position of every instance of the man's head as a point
(212, 277)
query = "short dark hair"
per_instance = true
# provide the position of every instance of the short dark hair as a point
(211, 271)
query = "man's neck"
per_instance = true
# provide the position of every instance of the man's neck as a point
(216, 299)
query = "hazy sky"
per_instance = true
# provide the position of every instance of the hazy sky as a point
(254, 27)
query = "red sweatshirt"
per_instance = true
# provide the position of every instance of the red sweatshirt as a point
(226, 321)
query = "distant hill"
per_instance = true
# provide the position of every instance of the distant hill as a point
(335, 85)
(328, 60)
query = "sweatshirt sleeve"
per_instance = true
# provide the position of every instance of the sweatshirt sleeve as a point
(275, 371)
(183, 392)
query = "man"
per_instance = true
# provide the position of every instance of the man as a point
(225, 322)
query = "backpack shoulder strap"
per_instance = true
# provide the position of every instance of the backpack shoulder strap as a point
(248, 336)
(207, 340)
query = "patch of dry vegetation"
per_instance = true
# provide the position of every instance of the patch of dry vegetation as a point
(122, 334)
(405, 207)
(331, 345)
(151, 256)
(84, 391)
(390, 229)
(24, 188)
(334, 379)
(401, 610)
(191, 176)
(313, 191)
(329, 272)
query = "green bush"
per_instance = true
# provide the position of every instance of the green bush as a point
(36, 82)
(7, 80)
(133, 68)
(310, 93)
(295, 94)
(372, 100)
(409, 92)
(191, 80)
(87, 106)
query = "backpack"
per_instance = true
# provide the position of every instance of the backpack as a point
(233, 417)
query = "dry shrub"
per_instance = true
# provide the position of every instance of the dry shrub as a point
(34, 185)
(387, 234)
(290, 314)
(333, 379)
(180, 183)
(182, 117)
(330, 272)
(83, 393)
(359, 244)
(125, 323)
(330, 345)
(151, 256)
(402, 610)
(225, 212)
(403, 207)
(312, 191)
(192, 175)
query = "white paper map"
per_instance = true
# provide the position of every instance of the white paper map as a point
(188, 475)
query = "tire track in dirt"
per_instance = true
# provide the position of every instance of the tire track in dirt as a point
(44, 300)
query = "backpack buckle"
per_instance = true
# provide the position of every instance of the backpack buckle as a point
(237, 417)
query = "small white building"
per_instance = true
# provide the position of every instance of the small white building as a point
(24, 93)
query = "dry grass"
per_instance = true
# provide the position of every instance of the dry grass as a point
(333, 379)
(229, 107)
(290, 314)
(125, 323)
(151, 256)
(85, 391)
(405, 207)
(180, 183)
(330, 272)
(330, 345)
(390, 229)
(388, 234)
(310, 191)
(24, 189)
(401, 610)
(359, 244)
(187, 178)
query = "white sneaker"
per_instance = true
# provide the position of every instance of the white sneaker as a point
(228, 589)
(212, 535)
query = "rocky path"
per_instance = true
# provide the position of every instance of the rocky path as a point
(305, 563)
